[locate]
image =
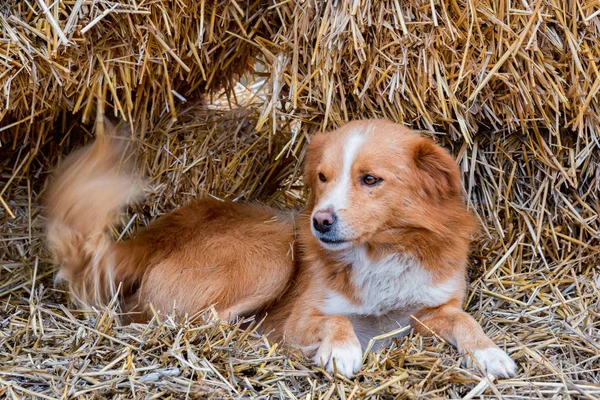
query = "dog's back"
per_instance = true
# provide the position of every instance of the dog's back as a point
(238, 257)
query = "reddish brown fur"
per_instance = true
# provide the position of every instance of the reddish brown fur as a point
(240, 256)
(188, 260)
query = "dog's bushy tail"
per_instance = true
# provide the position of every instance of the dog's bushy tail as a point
(88, 191)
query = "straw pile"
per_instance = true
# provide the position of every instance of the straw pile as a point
(135, 59)
(512, 86)
(463, 65)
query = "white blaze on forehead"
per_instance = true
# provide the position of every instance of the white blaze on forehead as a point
(337, 197)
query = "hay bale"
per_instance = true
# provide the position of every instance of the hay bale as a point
(138, 60)
(457, 66)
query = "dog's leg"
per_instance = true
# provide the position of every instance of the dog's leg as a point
(246, 306)
(460, 329)
(331, 336)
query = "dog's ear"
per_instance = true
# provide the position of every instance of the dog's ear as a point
(438, 170)
(314, 153)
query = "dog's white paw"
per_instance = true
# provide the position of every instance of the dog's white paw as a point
(494, 361)
(346, 356)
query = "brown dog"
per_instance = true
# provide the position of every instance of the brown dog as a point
(383, 244)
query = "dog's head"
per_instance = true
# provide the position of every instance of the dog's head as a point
(371, 179)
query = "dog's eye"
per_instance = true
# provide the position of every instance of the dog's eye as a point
(370, 180)
(322, 177)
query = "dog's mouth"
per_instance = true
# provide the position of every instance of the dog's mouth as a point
(334, 244)
(333, 241)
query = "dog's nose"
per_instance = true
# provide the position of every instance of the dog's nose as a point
(323, 220)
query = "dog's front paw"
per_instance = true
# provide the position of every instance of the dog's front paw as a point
(345, 355)
(494, 361)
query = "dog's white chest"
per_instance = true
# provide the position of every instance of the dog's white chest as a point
(388, 292)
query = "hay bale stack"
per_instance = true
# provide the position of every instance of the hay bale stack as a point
(459, 66)
(137, 60)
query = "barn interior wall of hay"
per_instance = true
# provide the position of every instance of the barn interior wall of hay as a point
(510, 88)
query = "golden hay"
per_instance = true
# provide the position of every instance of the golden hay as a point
(507, 81)
(462, 65)
(140, 58)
